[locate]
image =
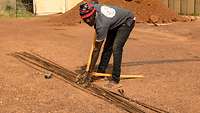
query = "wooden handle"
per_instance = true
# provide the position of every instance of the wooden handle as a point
(91, 50)
(121, 76)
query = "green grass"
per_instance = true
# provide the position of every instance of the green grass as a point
(23, 14)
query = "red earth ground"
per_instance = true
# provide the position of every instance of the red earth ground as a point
(168, 57)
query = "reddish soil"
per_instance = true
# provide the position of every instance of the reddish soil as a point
(168, 57)
(143, 10)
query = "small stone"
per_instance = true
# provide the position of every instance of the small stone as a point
(17, 98)
(137, 1)
(128, 0)
(193, 18)
(48, 75)
(154, 18)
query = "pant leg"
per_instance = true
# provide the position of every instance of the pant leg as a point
(119, 42)
(107, 51)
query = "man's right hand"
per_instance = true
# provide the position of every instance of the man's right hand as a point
(84, 79)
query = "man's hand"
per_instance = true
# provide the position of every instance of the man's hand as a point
(84, 79)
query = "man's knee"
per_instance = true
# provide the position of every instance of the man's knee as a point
(117, 48)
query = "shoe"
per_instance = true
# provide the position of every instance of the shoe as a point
(111, 85)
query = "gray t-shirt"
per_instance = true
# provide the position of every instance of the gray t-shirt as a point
(108, 18)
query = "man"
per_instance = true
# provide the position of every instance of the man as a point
(112, 24)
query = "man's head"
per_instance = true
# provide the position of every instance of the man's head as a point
(87, 13)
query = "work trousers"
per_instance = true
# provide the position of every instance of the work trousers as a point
(115, 42)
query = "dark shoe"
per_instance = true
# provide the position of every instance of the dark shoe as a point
(116, 79)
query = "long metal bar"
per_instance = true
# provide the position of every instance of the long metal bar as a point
(70, 77)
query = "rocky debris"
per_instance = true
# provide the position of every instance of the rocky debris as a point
(144, 10)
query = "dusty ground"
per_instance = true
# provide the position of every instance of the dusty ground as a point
(168, 57)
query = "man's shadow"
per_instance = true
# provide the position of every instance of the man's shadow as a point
(147, 62)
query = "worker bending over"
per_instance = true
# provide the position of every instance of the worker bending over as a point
(112, 25)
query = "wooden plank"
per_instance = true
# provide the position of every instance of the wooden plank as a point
(197, 7)
(171, 4)
(121, 76)
(190, 7)
(183, 7)
(175, 5)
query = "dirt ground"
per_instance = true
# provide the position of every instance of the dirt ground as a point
(168, 57)
(144, 10)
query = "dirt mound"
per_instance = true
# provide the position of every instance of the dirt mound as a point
(144, 10)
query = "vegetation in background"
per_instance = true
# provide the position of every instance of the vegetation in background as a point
(21, 10)
(15, 10)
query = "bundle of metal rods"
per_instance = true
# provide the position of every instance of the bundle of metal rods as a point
(38, 62)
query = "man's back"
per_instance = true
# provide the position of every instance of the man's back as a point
(108, 18)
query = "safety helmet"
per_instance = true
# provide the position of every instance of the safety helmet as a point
(86, 10)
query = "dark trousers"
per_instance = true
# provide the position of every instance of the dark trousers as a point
(115, 42)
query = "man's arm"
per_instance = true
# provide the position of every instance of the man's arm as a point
(101, 33)
(94, 56)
